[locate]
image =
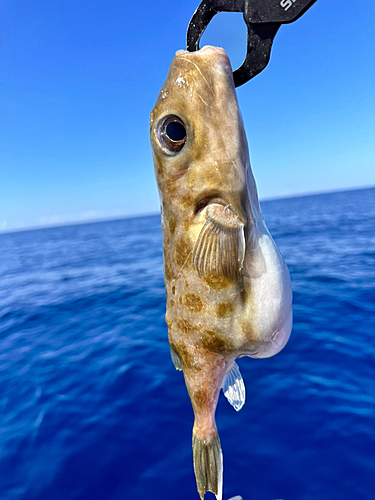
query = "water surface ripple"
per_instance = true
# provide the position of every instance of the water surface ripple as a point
(92, 408)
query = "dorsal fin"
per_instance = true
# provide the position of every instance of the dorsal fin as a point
(220, 248)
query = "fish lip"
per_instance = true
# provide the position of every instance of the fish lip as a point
(208, 199)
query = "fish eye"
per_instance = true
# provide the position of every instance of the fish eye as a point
(171, 134)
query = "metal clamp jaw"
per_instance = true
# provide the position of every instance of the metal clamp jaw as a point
(262, 17)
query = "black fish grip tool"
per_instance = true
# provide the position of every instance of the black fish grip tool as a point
(263, 19)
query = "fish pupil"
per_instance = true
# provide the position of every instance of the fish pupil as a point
(176, 131)
(170, 134)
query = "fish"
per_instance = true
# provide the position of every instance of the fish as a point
(228, 289)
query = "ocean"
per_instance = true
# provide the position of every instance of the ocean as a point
(91, 407)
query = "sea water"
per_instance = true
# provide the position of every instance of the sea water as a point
(92, 408)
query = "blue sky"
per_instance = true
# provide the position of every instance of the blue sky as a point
(79, 79)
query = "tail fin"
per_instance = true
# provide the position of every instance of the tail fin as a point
(208, 466)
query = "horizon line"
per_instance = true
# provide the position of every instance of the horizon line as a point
(154, 214)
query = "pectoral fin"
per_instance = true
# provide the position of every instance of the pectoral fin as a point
(220, 248)
(234, 388)
(176, 360)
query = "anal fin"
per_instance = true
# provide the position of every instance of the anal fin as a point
(176, 360)
(234, 388)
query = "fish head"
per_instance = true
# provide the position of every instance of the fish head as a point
(197, 135)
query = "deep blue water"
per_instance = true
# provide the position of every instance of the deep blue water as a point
(92, 408)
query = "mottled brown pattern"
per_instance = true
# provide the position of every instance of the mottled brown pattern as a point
(218, 282)
(172, 225)
(193, 302)
(159, 170)
(183, 251)
(249, 334)
(185, 326)
(201, 399)
(170, 187)
(187, 201)
(224, 309)
(168, 271)
(214, 342)
(185, 356)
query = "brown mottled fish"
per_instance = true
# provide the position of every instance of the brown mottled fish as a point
(227, 286)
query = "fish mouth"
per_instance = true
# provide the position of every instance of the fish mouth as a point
(209, 199)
